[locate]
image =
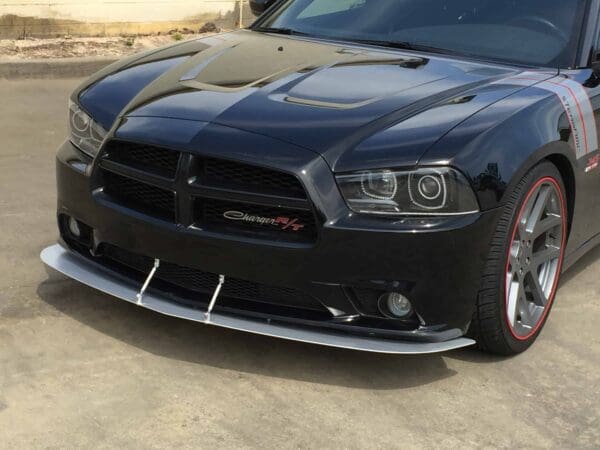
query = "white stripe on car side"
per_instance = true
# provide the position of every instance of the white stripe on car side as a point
(576, 103)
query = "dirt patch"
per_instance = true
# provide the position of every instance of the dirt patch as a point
(27, 49)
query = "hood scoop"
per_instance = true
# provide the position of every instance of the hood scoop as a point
(233, 71)
(258, 61)
(346, 85)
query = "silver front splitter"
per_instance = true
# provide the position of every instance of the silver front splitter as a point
(95, 276)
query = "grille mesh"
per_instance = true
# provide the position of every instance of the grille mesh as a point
(205, 282)
(148, 158)
(141, 196)
(136, 190)
(244, 177)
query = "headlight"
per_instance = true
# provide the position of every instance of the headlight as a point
(429, 191)
(86, 134)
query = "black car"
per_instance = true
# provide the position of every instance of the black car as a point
(397, 176)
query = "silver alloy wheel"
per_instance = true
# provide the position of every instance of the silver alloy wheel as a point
(535, 258)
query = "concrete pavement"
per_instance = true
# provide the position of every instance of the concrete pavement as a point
(79, 369)
(52, 68)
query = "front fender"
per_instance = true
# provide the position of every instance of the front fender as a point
(497, 147)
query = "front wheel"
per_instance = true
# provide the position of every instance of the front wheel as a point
(524, 266)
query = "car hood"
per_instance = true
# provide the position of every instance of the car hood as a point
(328, 97)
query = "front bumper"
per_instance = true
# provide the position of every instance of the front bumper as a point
(436, 264)
(90, 274)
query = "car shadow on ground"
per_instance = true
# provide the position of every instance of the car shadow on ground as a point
(220, 348)
(226, 349)
(568, 278)
(581, 265)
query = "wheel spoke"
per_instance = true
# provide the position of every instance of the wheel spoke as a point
(536, 290)
(513, 293)
(514, 256)
(514, 262)
(522, 228)
(524, 312)
(548, 224)
(544, 256)
(538, 209)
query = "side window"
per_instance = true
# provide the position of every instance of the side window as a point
(323, 7)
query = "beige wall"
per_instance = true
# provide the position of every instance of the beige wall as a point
(93, 17)
(115, 10)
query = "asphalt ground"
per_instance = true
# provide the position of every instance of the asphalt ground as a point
(79, 369)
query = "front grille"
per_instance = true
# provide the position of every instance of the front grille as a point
(156, 160)
(268, 222)
(139, 196)
(186, 281)
(243, 177)
(196, 194)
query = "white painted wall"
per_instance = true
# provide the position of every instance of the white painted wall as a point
(106, 11)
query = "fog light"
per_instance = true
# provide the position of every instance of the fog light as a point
(74, 227)
(395, 305)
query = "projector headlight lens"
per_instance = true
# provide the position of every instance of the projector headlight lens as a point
(429, 191)
(86, 134)
(379, 185)
(430, 187)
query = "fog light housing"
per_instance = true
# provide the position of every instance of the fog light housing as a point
(395, 305)
(74, 227)
(74, 231)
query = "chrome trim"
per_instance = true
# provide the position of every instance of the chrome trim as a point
(95, 276)
(215, 296)
(140, 295)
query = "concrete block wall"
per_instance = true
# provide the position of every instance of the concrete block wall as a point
(54, 18)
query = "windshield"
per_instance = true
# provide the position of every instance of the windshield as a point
(530, 32)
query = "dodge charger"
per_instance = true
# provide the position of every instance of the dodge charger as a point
(394, 176)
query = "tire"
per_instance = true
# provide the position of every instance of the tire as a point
(516, 295)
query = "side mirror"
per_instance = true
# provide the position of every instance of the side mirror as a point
(594, 80)
(596, 61)
(260, 6)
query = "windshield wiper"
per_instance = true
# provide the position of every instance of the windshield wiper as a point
(389, 44)
(284, 31)
(405, 45)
